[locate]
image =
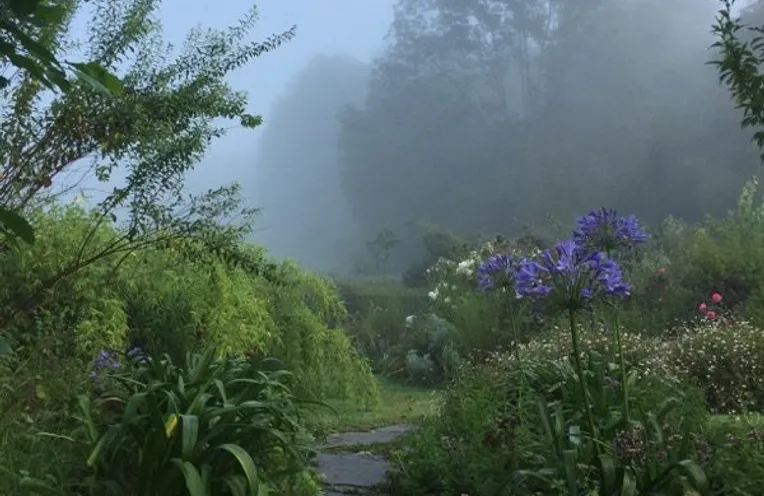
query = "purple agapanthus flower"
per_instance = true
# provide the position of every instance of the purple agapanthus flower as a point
(571, 275)
(496, 271)
(104, 361)
(137, 354)
(605, 230)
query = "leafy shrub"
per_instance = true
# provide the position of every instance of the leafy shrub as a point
(473, 442)
(733, 455)
(377, 312)
(166, 302)
(433, 357)
(212, 426)
(488, 429)
(75, 314)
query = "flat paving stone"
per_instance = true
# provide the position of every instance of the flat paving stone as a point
(380, 435)
(354, 470)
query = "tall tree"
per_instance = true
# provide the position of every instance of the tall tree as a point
(304, 215)
(488, 115)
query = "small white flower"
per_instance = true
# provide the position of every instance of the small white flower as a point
(465, 267)
(433, 294)
(409, 320)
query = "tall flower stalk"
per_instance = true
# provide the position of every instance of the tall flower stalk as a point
(497, 273)
(605, 231)
(569, 279)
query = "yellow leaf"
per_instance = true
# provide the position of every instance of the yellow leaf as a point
(171, 425)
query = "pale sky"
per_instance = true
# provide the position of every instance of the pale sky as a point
(352, 27)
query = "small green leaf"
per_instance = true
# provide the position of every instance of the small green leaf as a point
(17, 225)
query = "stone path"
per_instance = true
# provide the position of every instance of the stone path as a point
(349, 472)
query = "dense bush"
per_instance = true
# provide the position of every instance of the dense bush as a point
(377, 310)
(488, 429)
(164, 300)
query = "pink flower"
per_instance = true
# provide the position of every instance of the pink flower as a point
(703, 307)
(716, 297)
(711, 315)
(662, 270)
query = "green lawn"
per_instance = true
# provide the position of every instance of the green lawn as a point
(398, 403)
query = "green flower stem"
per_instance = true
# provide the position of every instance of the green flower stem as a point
(622, 365)
(582, 379)
(515, 333)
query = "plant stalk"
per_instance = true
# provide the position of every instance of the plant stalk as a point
(581, 378)
(622, 366)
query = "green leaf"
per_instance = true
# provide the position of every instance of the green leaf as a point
(30, 45)
(98, 77)
(189, 435)
(629, 484)
(17, 225)
(194, 481)
(246, 463)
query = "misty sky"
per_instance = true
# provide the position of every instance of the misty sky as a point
(664, 48)
(351, 27)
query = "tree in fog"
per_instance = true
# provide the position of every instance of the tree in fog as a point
(486, 115)
(305, 216)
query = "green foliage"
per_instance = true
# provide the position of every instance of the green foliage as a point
(739, 68)
(18, 46)
(210, 426)
(733, 451)
(169, 300)
(488, 437)
(21, 21)
(308, 313)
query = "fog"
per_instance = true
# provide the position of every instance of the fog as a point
(486, 116)
(474, 117)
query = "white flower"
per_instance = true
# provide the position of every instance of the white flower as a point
(447, 299)
(433, 294)
(466, 267)
(409, 320)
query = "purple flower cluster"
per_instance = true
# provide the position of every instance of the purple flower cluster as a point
(105, 361)
(570, 274)
(576, 270)
(496, 271)
(137, 354)
(605, 230)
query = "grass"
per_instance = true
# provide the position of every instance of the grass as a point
(398, 403)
